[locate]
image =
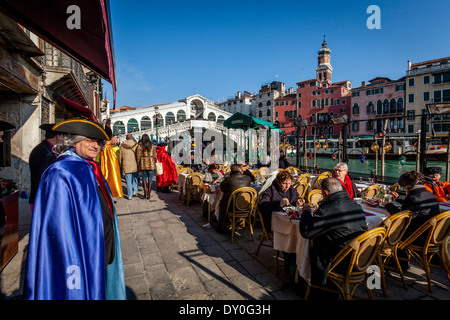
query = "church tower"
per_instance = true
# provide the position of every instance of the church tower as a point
(324, 69)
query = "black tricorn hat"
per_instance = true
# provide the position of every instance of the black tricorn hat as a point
(82, 127)
(6, 126)
(432, 170)
(108, 131)
(47, 126)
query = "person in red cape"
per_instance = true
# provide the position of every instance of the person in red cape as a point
(170, 175)
(341, 173)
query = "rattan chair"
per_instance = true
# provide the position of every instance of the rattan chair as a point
(370, 191)
(396, 226)
(186, 170)
(446, 255)
(314, 197)
(304, 177)
(394, 187)
(323, 175)
(179, 167)
(240, 207)
(266, 236)
(302, 188)
(293, 170)
(357, 256)
(194, 187)
(436, 229)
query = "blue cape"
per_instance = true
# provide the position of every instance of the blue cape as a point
(66, 251)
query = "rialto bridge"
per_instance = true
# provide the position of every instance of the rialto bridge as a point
(162, 121)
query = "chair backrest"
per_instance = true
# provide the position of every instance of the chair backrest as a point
(304, 177)
(263, 171)
(362, 251)
(438, 228)
(227, 169)
(194, 181)
(394, 187)
(301, 188)
(179, 167)
(242, 201)
(396, 226)
(186, 170)
(293, 170)
(321, 176)
(371, 191)
(314, 197)
(446, 251)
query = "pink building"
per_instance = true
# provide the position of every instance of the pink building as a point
(381, 99)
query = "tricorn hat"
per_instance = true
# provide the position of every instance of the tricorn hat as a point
(82, 127)
(6, 126)
(47, 126)
(432, 170)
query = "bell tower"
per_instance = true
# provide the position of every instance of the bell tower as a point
(324, 69)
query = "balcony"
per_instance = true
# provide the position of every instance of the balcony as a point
(430, 69)
(65, 76)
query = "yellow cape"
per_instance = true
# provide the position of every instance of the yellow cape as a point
(109, 163)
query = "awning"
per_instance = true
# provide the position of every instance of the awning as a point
(243, 121)
(91, 44)
(77, 108)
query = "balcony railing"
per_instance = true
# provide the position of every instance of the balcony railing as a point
(57, 59)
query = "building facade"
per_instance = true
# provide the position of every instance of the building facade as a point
(286, 112)
(319, 99)
(239, 103)
(426, 83)
(372, 103)
(263, 102)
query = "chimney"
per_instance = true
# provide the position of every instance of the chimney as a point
(363, 84)
(239, 94)
(291, 90)
(409, 65)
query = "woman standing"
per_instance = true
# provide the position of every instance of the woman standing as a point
(146, 158)
(169, 175)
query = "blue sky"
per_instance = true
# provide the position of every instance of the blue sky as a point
(168, 50)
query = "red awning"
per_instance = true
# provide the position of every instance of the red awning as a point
(91, 44)
(77, 108)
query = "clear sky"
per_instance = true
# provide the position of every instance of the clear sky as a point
(168, 50)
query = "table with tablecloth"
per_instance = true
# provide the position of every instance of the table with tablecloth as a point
(287, 237)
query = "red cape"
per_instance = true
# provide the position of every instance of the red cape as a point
(170, 175)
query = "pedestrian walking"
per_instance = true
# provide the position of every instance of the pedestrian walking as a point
(146, 158)
(74, 250)
(128, 163)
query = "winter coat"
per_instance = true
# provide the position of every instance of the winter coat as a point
(336, 222)
(422, 204)
(170, 175)
(127, 156)
(146, 159)
(271, 199)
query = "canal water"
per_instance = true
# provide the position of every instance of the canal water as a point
(393, 168)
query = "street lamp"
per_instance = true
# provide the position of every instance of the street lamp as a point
(342, 120)
(299, 123)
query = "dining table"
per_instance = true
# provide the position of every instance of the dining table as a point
(287, 237)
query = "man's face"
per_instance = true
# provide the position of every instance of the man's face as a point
(340, 172)
(88, 148)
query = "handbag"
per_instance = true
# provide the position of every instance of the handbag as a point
(159, 168)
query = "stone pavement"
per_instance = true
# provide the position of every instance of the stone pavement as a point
(169, 255)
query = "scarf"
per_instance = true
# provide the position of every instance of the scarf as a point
(101, 182)
(348, 186)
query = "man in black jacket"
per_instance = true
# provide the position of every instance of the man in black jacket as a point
(336, 222)
(234, 181)
(41, 157)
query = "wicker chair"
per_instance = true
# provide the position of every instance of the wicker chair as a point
(323, 175)
(302, 188)
(362, 252)
(304, 177)
(437, 230)
(370, 191)
(240, 207)
(194, 187)
(396, 226)
(314, 197)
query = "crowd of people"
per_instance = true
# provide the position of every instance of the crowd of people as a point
(74, 248)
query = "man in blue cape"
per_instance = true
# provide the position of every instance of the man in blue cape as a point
(74, 247)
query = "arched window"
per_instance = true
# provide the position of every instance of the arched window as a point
(370, 107)
(260, 114)
(386, 106)
(170, 118)
(379, 107)
(260, 105)
(211, 116)
(181, 115)
(220, 119)
(268, 103)
(331, 130)
(400, 105)
(146, 123)
(132, 125)
(355, 109)
(393, 106)
(268, 112)
(118, 128)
